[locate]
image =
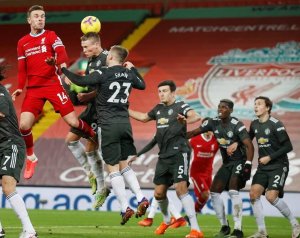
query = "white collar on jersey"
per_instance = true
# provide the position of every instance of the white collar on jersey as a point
(36, 35)
(205, 138)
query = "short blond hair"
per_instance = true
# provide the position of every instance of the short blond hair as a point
(120, 53)
(34, 8)
(91, 36)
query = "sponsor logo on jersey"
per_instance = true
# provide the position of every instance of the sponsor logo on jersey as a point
(163, 121)
(205, 155)
(223, 141)
(262, 140)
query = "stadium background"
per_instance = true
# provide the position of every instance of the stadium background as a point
(212, 49)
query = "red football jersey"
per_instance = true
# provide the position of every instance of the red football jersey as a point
(204, 153)
(33, 50)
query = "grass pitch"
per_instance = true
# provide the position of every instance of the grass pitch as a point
(88, 224)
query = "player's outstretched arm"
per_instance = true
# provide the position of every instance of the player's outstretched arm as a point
(147, 147)
(138, 80)
(192, 117)
(193, 133)
(140, 116)
(86, 97)
(90, 79)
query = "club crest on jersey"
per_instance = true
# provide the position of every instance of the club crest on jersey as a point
(212, 148)
(158, 113)
(267, 131)
(43, 40)
(170, 112)
(230, 134)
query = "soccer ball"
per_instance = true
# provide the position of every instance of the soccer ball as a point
(90, 24)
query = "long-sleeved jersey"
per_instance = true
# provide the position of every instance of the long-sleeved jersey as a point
(33, 50)
(94, 63)
(114, 85)
(9, 129)
(272, 140)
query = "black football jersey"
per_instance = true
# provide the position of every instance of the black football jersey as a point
(227, 134)
(114, 85)
(170, 134)
(97, 62)
(271, 137)
(94, 63)
(9, 129)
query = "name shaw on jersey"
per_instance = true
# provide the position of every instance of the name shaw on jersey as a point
(120, 75)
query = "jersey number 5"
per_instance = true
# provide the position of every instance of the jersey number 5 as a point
(117, 88)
